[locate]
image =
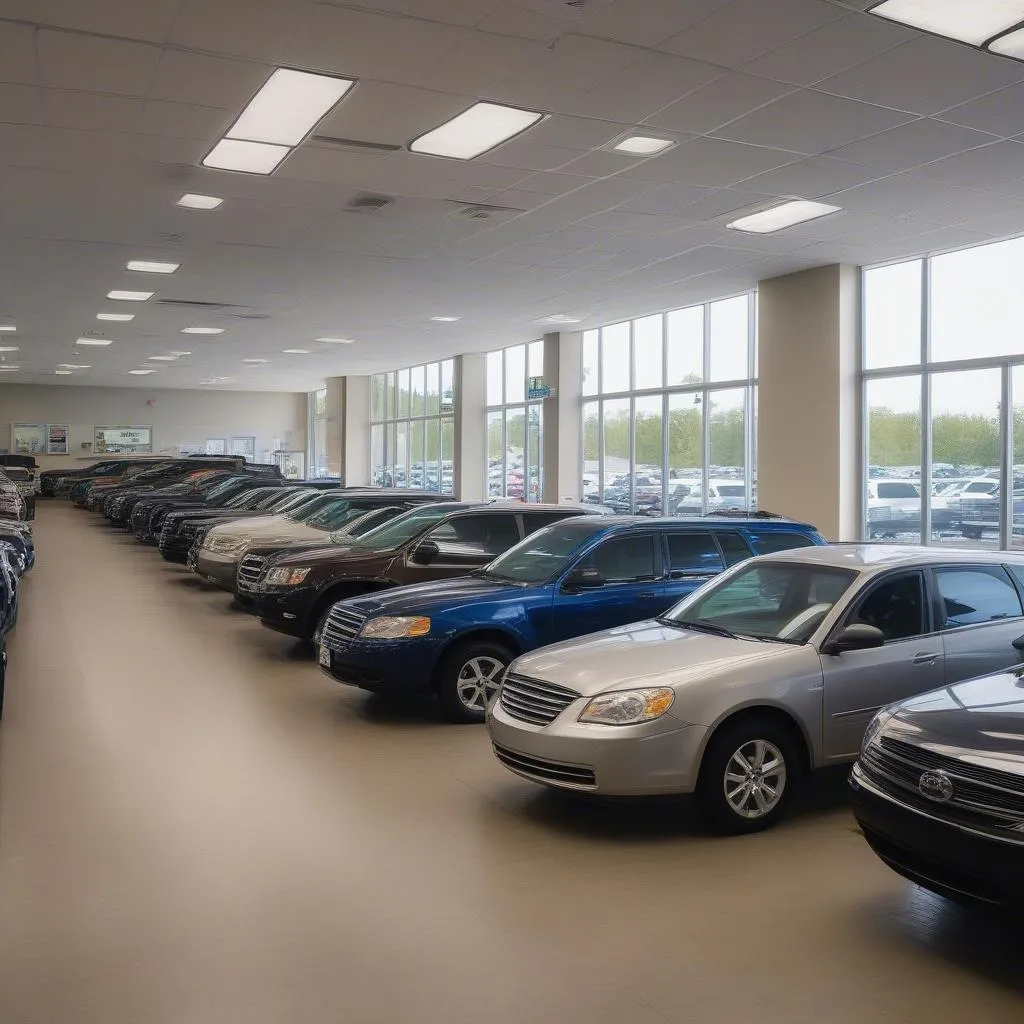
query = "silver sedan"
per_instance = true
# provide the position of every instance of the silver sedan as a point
(771, 670)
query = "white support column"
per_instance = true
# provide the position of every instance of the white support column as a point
(348, 429)
(807, 431)
(562, 433)
(470, 427)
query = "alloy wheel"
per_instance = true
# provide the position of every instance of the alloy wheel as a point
(477, 682)
(755, 779)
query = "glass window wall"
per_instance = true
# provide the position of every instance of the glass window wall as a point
(514, 423)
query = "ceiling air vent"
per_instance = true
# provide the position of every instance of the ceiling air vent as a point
(483, 212)
(574, 9)
(369, 204)
(195, 304)
(356, 144)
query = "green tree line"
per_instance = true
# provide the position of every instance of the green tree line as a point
(961, 439)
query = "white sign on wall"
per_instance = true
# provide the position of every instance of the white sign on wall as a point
(123, 439)
(28, 438)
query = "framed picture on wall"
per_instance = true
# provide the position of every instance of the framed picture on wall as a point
(245, 445)
(28, 438)
(123, 440)
(216, 446)
(56, 439)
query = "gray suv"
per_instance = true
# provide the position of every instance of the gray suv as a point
(774, 668)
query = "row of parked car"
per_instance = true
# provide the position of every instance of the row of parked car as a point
(725, 657)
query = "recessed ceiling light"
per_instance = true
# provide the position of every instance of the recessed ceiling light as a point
(295, 351)
(100, 342)
(179, 354)
(643, 145)
(8, 348)
(203, 330)
(446, 319)
(8, 369)
(288, 107)
(120, 318)
(785, 216)
(192, 201)
(562, 318)
(73, 366)
(337, 341)
(161, 359)
(7, 327)
(140, 373)
(123, 296)
(250, 157)
(970, 22)
(151, 266)
(475, 131)
(62, 373)
(255, 362)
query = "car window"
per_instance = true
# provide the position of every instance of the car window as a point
(733, 546)
(981, 487)
(534, 521)
(476, 534)
(625, 559)
(897, 491)
(974, 594)
(895, 606)
(693, 554)
(768, 543)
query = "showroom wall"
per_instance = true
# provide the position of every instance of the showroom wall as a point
(178, 417)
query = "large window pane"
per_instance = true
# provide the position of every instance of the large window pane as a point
(685, 329)
(515, 373)
(403, 393)
(617, 481)
(495, 378)
(535, 360)
(965, 445)
(390, 396)
(448, 386)
(417, 401)
(591, 451)
(615, 358)
(647, 352)
(402, 454)
(515, 452)
(378, 467)
(590, 371)
(433, 389)
(447, 455)
(433, 455)
(685, 453)
(892, 315)
(730, 339)
(495, 454)
(417, 440)
(893, 502)
(975, 302)
(726, 450)
(534, 465)
(389, 457)
(377, 387)
(1017, 423)
(650, 455)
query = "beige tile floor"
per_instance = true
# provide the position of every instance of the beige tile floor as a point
(196, 827)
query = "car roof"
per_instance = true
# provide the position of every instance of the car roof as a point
(877, 557)
(692, 522)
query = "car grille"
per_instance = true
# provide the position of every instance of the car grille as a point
(342, 628)
(534, 701)
(983, 798)
(249, 571)
(578, 776)
(140, 518)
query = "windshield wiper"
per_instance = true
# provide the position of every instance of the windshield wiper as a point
(699, 626)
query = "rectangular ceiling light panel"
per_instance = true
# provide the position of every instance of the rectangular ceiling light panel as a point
(250, 157)
(193, 201)
(123, 296)
(475, 131)
(288, 107)
(121, 318)
(151, 267)
(99, 342)
(970, 21)
(785, 216)
(1010, 45)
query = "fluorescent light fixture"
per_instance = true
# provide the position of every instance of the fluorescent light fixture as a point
(161, 359)
(337, 341)
(250, 157)
(99, 342)
(140, 373)
(123, 296)
(7, 327)
(203, 330)
(475, 131)
(255, 362)
(8, 348)
(785, 216)
(73, 366)
(62, 373)
(8, 369)
(295, 351)
(151, 266)
(193, 201)
(1010, 45)
(288, 107)
(970, 21)
(446, 319)
(643, 145)
(562, 318)
(178, 355)
(120, 318)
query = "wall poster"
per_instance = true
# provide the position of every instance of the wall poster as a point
(123, 440)
(28, 438)
(245, 445)
(56, 439)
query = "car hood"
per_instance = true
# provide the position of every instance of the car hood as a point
(422, 598)
(269, 528)
(343, 554)
(649, 654)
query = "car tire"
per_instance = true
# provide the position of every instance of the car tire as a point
(467, 677)
(748, 776)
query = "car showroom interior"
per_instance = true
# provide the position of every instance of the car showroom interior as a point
(530, 526)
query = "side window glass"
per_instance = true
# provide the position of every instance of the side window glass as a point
(976, 594)
(534, 521)
(896, 607)
(624, 559)
(487, 535)
(733, 546)
(693, 554)
(768, 543)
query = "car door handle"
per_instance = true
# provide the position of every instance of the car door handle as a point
(926, 658)
(647, 595)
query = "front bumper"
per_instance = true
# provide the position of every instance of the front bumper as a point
(284, 611)
(656, 757)
(216, 569)
(947, 859)
(390, 667)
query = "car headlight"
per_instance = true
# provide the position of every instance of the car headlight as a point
(395, 627)
(628, 707)
(223, 544)
(285, 576)
(875, 727)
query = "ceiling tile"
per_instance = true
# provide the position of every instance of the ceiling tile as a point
(183, 120)
(479, 62)
(744, 29)
(664, 199)
(237, 28)
(812, 178)
(92, 64)
(453, 12)
(999, 225)
(149, 21)
(909, 145)
(208, 81)
(726, 98)
(552, 183)
(715, 163)
(649, 22)
(811, 122)
(21, 104)
(1001, 113)
(600, 163)
(512, 20)
(904, 194)
(91, 111)
(721, 205)
(18, 54)
(832, 48)
(997, 164)
(926, 75)
(580, 133)
(524, 154)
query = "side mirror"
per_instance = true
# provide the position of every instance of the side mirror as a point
(858, 636)
(425, 552)
(584, 579)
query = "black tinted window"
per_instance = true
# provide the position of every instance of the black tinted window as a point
(483, 534)
(779, 540)
(625, 559)
(533, 521)
(976, 594)
(733, 546)
(897, 491)
(896, 607)
(693, 554)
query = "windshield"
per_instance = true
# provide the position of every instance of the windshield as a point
(398, 531)
(784, 601)
(304, 512)
(336, 514)
(731, 490)
(544, 554)
(290, 502)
